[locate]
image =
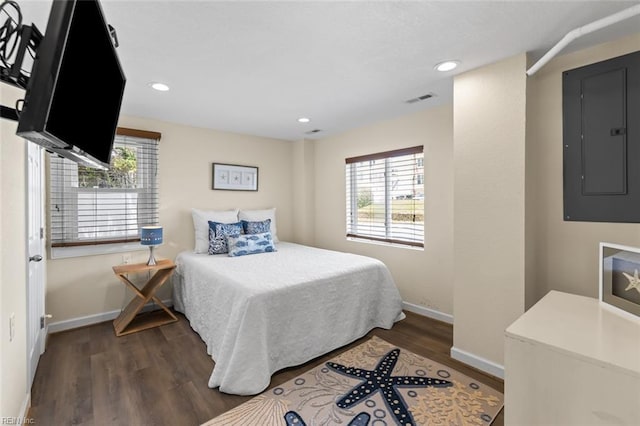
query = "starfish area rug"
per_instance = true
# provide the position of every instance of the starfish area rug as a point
(373, 384)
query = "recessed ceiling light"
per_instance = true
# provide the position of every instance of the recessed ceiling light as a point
(161, 87)
(303, 120)
(447, 66)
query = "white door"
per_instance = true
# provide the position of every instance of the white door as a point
(36, 331)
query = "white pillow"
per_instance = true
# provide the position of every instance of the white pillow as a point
(201, 220)
(258, 215)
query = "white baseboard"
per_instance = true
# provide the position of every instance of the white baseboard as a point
(427, 312)
(478, 362)
(69, 324)
(26, 404)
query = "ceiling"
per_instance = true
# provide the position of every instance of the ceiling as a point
(256, 67)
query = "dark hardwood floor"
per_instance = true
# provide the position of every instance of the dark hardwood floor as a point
(88, 376)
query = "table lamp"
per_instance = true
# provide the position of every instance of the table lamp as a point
(151, 236)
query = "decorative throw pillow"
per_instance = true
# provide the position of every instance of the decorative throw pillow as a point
(257, 215)
(256, 227)
(241, 245)
(218, 233)
(201, 227)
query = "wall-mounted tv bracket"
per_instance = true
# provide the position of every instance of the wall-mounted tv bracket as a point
(16, 41)
(114, 36)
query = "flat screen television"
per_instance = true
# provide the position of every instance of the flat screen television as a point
(72, 102)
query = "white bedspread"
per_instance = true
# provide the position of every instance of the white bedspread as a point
(261, 313)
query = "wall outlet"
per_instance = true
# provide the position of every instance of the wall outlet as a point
(126, 258)
(12, 326)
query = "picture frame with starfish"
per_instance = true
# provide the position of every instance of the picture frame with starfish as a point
(620, 277)
(234, 177)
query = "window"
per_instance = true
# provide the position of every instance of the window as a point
(90, 206)
(385, 196)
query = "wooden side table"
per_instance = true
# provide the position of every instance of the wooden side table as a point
(127, 322)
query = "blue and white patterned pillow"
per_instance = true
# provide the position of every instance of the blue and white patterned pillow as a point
(218, 233)
(256, 227)
(241, 245)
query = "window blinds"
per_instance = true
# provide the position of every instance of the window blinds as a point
(90, 206)
(385, 196)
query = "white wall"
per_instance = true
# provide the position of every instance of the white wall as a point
(424, 277)
(489, 213)
(13, 263)
(84, 286)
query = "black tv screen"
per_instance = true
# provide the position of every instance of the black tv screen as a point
(73, 98)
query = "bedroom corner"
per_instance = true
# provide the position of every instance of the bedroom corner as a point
(423, 276)
(303, 191)
(84, 290)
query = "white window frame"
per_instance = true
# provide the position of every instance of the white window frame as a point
(352, 232)
(101, 247)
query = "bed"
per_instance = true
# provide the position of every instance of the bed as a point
(261, 313)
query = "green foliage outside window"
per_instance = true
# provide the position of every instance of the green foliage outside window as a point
(365, 198)
(121, 174)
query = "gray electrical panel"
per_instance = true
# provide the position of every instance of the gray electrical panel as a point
(601, 141)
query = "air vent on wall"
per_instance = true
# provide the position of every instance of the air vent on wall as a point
(421, 98)
(311, 132)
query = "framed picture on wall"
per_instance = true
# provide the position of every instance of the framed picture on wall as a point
(231, 177)
(620, 277)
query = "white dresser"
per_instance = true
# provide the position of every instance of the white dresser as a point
(571, 360)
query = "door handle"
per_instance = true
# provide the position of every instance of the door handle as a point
(36, 258)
